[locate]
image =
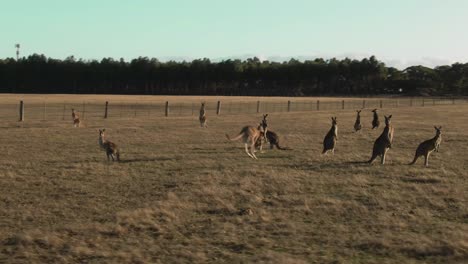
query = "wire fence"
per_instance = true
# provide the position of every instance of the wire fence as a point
(92, 110)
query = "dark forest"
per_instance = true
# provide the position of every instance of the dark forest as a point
(251, 77)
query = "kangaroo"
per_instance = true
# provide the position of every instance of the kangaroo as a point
(384, 142)
(357, 124)
(202, 116)
(76, 118)
(111, 149)
(249, 135)
(428, 146)
(329, 142)
(375, 121)
(270, 136)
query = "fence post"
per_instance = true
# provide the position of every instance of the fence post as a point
(136, 107)
(21, 111)
(363, 103)
(433, 101)
(167, 108)
(318, 105)
(105, 111)
(44, 112)
(411, 102)
(342, 104)
(453, 101)
(258, 106)
(397, 103)
(289, 106)
(84, 110)
(381, 103)
(218, 108)
(423, 102)
(63, 113)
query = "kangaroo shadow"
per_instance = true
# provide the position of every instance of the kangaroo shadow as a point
(144, 160)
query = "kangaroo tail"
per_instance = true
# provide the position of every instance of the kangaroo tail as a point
(281, 148)
(374, 156)
(234, 139)
(414, 160)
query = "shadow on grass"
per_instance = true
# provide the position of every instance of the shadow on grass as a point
(420, 180)
(144, 160)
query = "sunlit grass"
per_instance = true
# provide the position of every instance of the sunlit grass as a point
(185, 194)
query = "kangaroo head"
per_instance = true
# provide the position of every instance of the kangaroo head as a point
(358, 112)
(101, 132)
(203, 104)
(387, 120)
(375, 111)
(438, 130)
(264, 123)
(334, 122)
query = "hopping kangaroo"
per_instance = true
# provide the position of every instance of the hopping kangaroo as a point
(329, 142)
(112, 151)
(357, 124)
(76, 118)
(375, 121)
(428, 146)
(384, 142)
(202, 116)
(270, 137)
(249, 136)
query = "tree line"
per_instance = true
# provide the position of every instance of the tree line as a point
(252, 77)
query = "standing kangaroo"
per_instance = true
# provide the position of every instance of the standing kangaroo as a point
(357, 124)
(428, 146)
(384, 142)
(202, 116)
(270, 137)
(111, 149)
(375, 121)
(76, 118)
(329, 142)
(249, 136)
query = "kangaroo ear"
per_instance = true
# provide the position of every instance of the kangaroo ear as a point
(103, 129)
(440, 127)
(390, 116)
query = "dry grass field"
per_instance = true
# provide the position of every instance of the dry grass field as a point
(184, 194)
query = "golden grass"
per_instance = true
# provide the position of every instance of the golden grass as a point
(185, 194)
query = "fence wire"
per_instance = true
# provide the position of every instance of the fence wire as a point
(92, 110)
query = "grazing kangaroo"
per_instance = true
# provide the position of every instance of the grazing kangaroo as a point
(249, 135)
(384, 142)
(375, 121)
(428, 146)
(111, 149)
(329, 142)
(357, 124)
(202, 116)
(270, 137)
(76, 118)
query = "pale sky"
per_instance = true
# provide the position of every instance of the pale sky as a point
(398, 32)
